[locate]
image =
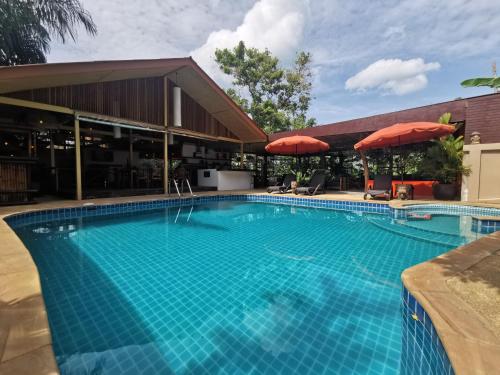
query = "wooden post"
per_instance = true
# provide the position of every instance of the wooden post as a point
(78, 161)
(52, 153)
(391, 163)
(365, 168)
(242, 165)
(35, 145)
(30, 149)
(165, 136)
(53, 169)
(131, 158)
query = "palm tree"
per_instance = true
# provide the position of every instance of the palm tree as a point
(27, 27)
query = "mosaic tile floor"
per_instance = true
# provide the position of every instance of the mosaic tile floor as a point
(224, 288)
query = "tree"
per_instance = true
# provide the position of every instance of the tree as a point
(27, 28)
(277, 99)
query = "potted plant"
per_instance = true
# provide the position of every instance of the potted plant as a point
(444, 162)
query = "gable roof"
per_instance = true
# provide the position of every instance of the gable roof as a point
(192, 79)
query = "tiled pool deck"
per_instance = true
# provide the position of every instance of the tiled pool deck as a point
(469, 341)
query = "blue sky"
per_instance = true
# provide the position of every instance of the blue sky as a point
(369, 57)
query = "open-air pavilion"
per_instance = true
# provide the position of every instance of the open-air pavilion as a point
(136, 121)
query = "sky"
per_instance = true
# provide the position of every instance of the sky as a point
(369, 56)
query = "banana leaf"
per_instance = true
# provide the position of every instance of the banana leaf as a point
(476, 82)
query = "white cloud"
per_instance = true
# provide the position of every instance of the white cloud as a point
(149, 29)
(394, 75)
(277, 25)
(342, 36)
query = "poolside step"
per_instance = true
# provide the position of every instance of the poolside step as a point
(443, 239)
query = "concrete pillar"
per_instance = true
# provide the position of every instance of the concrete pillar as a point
(484, 162)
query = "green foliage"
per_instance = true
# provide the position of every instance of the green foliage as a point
(283, 165)
(412, 161)
(444, 160)
(301, 178)
(26, 27)
(23, 40)
(493, 82)
(445, 118)
(278, 98)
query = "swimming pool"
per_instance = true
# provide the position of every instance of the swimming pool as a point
(230, 287)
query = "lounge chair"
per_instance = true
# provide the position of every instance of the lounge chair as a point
(284, 187)
(382, 188)
(316, 185)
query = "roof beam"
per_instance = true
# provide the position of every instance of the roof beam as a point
(35, 105)
(117, 121)
(198, 135)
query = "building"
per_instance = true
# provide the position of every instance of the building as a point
(106, 128)
(139, 122)
(480, 117)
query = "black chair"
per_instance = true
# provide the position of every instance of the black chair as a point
(316, 185)
(382, 188)
(284, 187)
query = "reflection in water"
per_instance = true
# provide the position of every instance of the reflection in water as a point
(133, 359)
(273, 324)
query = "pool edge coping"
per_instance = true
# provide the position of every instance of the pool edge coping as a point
(25, 336)
(39, 357)
(464, 333)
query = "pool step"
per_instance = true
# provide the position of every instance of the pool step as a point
(419, 234)
(404, 223)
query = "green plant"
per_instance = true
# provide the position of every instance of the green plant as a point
(301, 178)
(445, 118)
(444, 160)
(28, 27)
(493, 82)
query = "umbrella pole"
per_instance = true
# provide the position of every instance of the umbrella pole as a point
(365, 168)
(401, 161)
(297, 158)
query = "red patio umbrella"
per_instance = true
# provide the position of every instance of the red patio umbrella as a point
(297, 145)
(400, 134)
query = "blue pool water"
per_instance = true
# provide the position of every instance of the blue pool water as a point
(230, 288)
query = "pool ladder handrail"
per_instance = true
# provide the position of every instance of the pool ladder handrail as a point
(182, 185)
